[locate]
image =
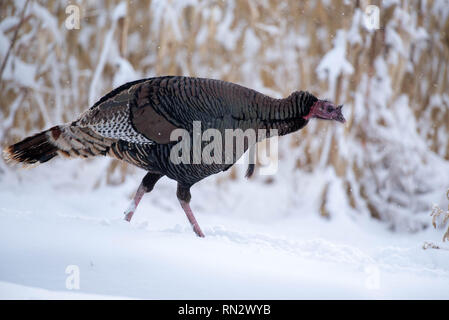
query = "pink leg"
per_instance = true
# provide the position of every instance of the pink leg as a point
(196, 227)
(134, 203)
(145, 186)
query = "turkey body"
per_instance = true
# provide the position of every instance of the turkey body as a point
(134, 122)
(153, 108)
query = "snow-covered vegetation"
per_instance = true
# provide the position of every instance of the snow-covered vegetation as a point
(389, 163)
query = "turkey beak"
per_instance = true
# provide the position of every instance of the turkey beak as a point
(339, 115)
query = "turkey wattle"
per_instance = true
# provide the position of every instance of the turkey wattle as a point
(134, 122)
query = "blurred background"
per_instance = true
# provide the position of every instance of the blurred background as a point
(391, 159)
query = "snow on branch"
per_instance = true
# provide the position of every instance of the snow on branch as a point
(334, 62)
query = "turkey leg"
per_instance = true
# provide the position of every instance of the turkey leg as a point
(183, 194)
(145, 186)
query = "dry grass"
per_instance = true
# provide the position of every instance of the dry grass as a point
(438, 213)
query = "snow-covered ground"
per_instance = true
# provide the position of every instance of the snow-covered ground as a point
(262, 241)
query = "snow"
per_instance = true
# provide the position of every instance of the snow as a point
(17, 69)
(12, 291)
(334, 62)
(253, 248)
(125, 71)
(48, 20)
(8, 22)
(119, 11)
(226, 35)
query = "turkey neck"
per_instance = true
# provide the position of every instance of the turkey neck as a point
(284, 115)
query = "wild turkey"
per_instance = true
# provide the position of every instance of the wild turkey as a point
(133, 123)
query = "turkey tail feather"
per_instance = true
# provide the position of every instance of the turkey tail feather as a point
(65, 140)
(34, 149)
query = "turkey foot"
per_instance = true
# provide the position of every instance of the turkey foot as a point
(191, 217)
(183, 194)
(134, 203)
(145, 186)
